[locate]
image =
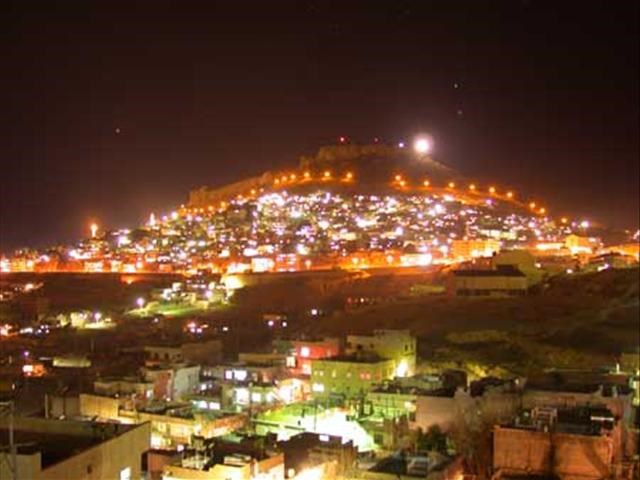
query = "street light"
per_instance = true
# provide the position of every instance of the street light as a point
(140, 302)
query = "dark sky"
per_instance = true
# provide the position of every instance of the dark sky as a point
(209, 92)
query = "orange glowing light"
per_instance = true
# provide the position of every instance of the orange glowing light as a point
(276, 181)
(253, 191)
(452, 185)
(307, 175)
(327, 174)
(426, 183)
(564, 220)
(403, 183)
(292, 177)
(492, 190)
(532, 205)
(543, 210)
(349, 176)
(509, 194)
(472, 187)
(398, 178)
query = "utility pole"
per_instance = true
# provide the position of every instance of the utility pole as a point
(7, 409)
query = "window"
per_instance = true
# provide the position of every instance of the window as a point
(240, 375)
(318, 387)
(125, 473)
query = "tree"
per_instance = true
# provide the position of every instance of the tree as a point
(432, 440)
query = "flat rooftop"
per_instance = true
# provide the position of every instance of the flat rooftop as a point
(55, 447)
(588, 421)
(367, 357)
(422, 392)
(500, 271)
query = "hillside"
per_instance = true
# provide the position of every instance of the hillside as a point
(575, 321)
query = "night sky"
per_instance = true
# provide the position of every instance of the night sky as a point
(112, 110)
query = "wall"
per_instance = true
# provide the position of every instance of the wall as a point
(185, 381)
(490, 283)
(536, 452)
(97, 406)
(441, 411)
(59, 405)
(349, 378)
(202, 353)
(107, 460)
(28, 466)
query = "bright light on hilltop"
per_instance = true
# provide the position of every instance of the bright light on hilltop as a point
(422, 145)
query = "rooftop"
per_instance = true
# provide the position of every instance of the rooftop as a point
(499, 271)
(55, 446)
(409, 390)
(590, 421)
(359, 357)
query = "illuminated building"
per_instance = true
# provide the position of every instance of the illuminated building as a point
(171, 424)
(303, 352)
(307, 448)
(466, 249)
(505, 280)
(522, 260)
(396, 345)
(172, 381)
(227, 461)
(628, 249)
(349, 376)
(581, 245)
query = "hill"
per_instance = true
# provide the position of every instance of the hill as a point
(573, 322)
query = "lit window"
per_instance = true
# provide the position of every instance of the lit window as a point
(240, 375)
(256, 397)
(318, 387)
(125, 473)
(242, 396)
